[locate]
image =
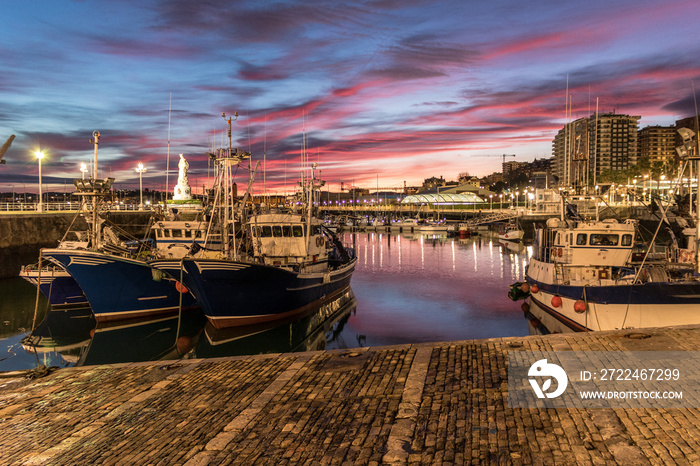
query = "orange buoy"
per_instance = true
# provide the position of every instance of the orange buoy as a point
(525, 287)
(92, 333)
(556, 301)
(183, 344)
(534, 323)
(181, 288)
(580, 306)
(525, 306)
(534, 288)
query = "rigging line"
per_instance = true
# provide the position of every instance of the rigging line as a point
(167, 164)
(653, 239)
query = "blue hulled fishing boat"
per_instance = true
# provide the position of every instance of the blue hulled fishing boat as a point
(113, 275)
(270, 266)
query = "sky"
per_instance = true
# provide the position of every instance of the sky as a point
(377, 93)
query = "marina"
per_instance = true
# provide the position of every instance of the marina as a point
(331, 233)
(408, 288)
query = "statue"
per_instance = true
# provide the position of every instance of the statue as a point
(182, 191)
(183, 165)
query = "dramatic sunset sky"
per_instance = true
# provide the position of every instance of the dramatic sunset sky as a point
(385, 91)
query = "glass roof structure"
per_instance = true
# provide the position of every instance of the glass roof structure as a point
(443, 199)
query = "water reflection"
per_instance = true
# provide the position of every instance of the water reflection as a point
(72, 337)
(407, 289)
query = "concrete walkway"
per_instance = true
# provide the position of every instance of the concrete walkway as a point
(443, 403)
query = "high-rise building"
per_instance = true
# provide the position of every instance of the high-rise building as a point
(570, 150)
(586, 147)
(657, 143)
(615, 139)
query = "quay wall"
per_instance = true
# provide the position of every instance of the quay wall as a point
(23, 235)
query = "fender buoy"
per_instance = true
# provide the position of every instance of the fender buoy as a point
(580, 306)
(525, 287)
(534, 288)
(556, 301)
(525, 306)
(181, 288)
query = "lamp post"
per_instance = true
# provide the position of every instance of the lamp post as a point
(40, 207)
(646, 177)
(83, 168)
(491, 197)
(501, 198)
(140, 169)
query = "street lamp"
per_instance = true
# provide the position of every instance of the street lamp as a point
(491, 197)
(83, 168)
(140, 169)
(40, 155)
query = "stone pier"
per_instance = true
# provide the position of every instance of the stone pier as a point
(442, 403)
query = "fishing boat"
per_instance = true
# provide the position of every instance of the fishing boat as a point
(113, 275)
(511, 231)
(271, 265)
(602, 275)
(605, 274)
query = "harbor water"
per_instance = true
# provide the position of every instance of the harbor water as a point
(407, 288)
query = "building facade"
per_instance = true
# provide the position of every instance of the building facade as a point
(586, 147)
(657, 144)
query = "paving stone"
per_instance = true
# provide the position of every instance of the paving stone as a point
(445, 403)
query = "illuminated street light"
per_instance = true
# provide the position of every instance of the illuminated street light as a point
(83, 168)
(140, 169)
(39, 156)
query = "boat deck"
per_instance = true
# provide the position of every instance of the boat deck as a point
(426, 403)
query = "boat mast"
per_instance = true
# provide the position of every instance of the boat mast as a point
(95, 237)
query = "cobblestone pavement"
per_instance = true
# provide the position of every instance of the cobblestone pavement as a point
(443, 403)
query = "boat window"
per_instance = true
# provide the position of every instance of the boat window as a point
(267, 231)
(315, 230)
(256, 232)
(198, 233)
(604, 240)
(277, 231)
(626, 240)
(166, 233)
(177, 233)
(581, 239)
(298, 231)
(287, 231)
(188, 233)
(571, 238)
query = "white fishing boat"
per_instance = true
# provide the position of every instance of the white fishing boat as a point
(511, 231)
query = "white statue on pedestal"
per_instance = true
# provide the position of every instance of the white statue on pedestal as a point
(182, 190)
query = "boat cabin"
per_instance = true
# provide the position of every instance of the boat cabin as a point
(174, 238)
(591, 243)
(281, 239)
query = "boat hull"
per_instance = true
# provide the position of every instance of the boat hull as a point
(238, 293)
(59, 287)
(512, 235)
(610, 307)
(120, 288)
